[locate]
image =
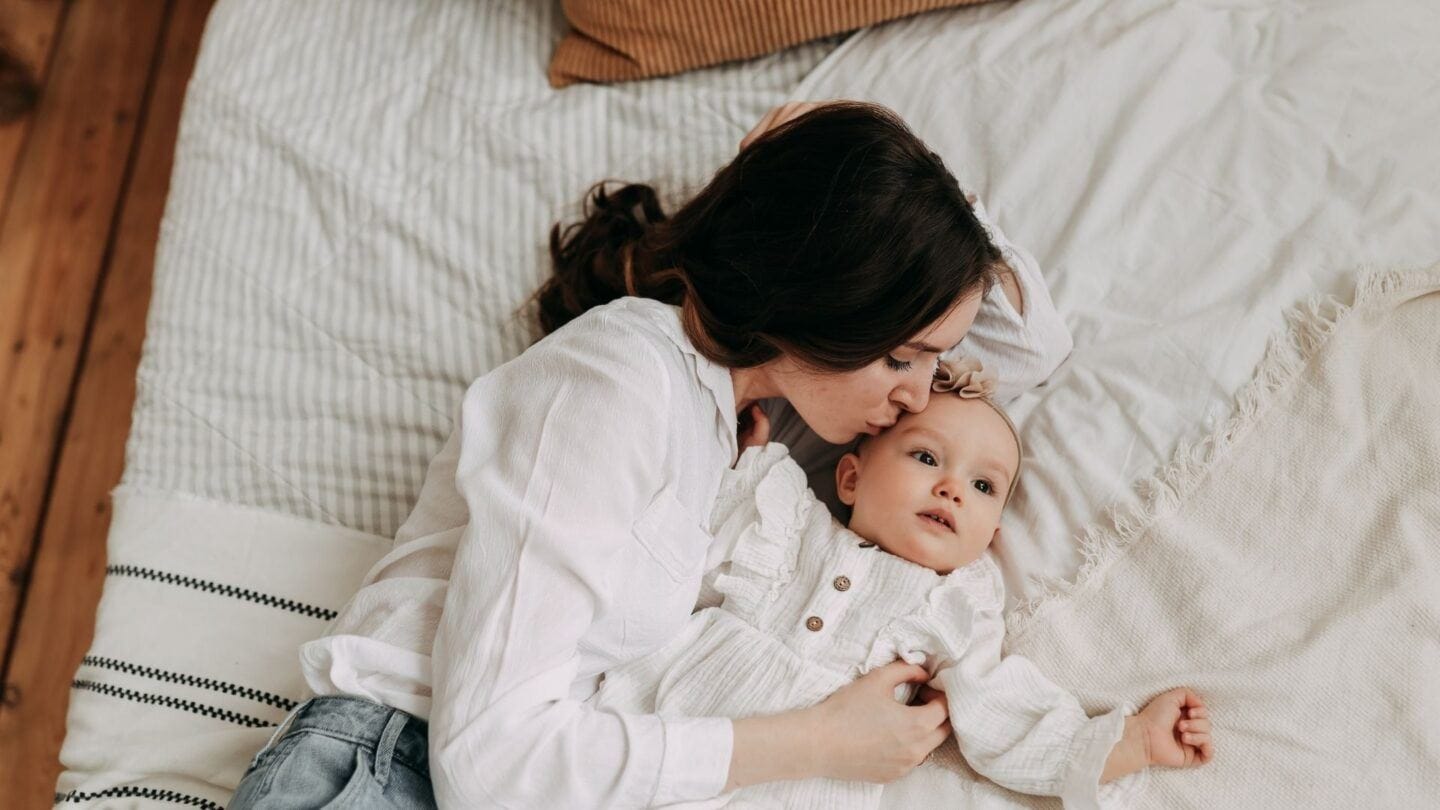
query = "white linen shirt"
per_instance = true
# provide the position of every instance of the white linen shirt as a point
(568, 508)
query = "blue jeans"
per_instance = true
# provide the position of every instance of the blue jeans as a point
(339, 752)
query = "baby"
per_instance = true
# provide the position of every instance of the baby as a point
(809, 605)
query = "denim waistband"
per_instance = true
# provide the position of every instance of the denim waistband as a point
(363, 722)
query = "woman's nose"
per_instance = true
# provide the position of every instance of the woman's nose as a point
(912, 396)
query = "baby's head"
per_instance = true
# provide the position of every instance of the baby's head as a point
(931, 488)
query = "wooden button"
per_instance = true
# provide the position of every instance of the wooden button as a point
(866, 544)
(842, 583)
(814, 624)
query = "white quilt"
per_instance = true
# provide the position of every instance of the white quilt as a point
(1284, 566)
(360, 206)
(1185, 172)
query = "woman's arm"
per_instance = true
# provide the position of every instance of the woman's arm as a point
(552, 500)
(1009, 284)
(554, 482)
(1018, 332)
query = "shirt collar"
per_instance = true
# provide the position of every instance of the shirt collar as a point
(712, 376)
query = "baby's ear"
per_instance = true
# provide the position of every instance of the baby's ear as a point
(847, 475)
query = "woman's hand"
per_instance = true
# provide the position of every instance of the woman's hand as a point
(865, 734)
(860, 733)
(754, 428)
(778, 116)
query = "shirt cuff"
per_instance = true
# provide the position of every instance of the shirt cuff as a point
(696, 763)
(1089, 750)
(1125, 791)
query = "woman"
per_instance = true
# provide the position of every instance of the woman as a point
(561, 530)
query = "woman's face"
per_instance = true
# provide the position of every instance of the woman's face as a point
(839, 407)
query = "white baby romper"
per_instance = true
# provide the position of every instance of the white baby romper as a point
(809, 606)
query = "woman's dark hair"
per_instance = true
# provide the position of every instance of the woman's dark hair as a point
(835, 238)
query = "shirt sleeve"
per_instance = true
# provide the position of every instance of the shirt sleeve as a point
(561, 451)
(1023, 349)
(1021, 730)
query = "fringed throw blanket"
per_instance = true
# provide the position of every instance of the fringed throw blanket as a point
(1287, 567)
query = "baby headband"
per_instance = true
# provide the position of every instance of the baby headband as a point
(968, 378)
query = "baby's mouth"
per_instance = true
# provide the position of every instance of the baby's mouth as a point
(939, 518)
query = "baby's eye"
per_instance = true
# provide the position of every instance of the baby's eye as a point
(924, 457)
(985, 486)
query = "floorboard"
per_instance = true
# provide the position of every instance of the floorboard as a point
(27, 37)
(80, 236)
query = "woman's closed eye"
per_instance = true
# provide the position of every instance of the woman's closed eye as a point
(904, 366)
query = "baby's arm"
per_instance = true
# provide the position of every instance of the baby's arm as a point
(1021, 730)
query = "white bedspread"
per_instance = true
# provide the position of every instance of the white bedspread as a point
(363, 189)
(1285, 567)
(1185, 171)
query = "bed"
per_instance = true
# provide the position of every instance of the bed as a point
(358, 212)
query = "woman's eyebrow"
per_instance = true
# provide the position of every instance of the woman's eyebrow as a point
(923, 347)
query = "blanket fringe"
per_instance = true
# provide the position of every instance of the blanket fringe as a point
(1309, 326)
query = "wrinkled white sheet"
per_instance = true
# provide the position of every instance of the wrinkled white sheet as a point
(1184, 171)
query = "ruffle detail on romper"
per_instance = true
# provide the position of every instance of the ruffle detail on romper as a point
(936, 633)
(737, 485)
(767, 551)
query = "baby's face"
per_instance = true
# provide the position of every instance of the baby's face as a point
(931, 488)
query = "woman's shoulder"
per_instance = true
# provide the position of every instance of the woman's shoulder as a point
(631, 337)
(624, 321)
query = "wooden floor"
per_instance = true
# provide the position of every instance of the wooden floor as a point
(90, 95)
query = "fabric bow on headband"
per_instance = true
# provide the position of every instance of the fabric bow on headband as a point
(966, 377)
(969, 379)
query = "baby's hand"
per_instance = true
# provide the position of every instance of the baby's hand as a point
(754, 428)
(1177, 730)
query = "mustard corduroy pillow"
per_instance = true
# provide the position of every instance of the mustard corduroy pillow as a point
(622, 40)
